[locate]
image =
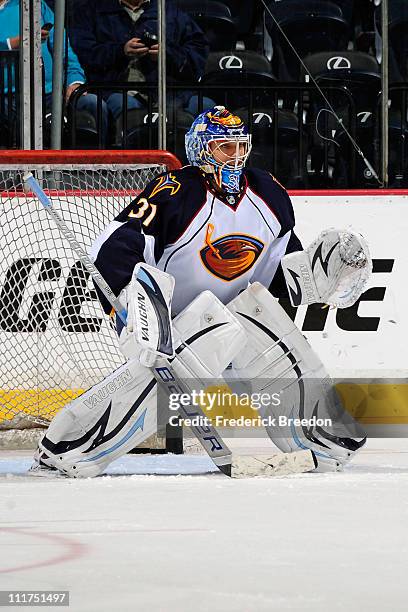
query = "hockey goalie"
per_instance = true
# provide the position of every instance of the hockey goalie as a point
(215, 243)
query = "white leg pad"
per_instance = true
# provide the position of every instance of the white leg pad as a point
(103, 423)
(207, 337)
(278, 359)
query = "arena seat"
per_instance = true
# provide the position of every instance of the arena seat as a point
(142, 131)
(239, 68)
(311, 26)
(344, 155)
(247, 16)
(398, 149)
(368, 137)
(215, 19)
(284, 160)
(398, 37)
(359, 74)
(347, 8)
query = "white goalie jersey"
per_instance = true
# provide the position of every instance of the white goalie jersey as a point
(206, 241)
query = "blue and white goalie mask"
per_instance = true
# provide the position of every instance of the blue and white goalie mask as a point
(218, 142)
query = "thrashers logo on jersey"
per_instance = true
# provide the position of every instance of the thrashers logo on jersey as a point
(168, 181)
(230, 256)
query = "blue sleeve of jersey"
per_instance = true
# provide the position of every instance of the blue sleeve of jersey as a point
(158, 214)
(124, 247)
(118, 256)
(278, 286)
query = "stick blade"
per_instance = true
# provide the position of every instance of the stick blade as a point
(268, 466)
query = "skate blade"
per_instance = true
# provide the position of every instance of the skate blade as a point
(268, 466)
(37, 471)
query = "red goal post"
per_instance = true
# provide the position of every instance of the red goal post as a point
(55, 339)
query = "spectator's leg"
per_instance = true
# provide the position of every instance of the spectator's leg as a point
(9, 126)
(89, 104)
(115, 104)
(47, 119)
(192, 105)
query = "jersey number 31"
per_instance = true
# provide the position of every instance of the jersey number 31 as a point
(145, 210)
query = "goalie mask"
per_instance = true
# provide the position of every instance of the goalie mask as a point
(218, 142)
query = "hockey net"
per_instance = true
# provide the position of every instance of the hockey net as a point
(55, 339)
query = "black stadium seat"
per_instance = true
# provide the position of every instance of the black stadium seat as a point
(142, 130)
(347, 8)
(238, 68)
(284, 158)
(398, 150)
(311, 26)
(398, 37)
(346, 160)
(359, 74)
(246, 14)
(215, 19)
(357, 71)
(368, 136)
(86, 136)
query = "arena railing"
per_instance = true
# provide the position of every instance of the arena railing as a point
(315, 155)
(9, 98)
(397, 134)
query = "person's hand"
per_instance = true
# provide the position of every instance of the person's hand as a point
(44, 35)
(71, 89)
(15, 40)
(135, 48)
(154, 52)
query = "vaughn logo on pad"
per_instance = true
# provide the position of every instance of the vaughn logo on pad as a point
(152, 311)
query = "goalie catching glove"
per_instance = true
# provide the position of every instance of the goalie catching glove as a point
(333, 270)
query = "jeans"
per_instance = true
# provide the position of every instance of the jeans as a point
(192, 106)
(112, 107)
(89, 103)
(115, 101)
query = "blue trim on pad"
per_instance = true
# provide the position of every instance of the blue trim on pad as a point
(138, 425)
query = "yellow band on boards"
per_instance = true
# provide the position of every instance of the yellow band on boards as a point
(382, 404)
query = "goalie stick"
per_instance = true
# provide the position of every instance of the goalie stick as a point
(277, 464)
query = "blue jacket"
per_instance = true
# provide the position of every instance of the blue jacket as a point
(10, 27)
(102, 27)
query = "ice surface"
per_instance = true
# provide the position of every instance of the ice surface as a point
(203, 542)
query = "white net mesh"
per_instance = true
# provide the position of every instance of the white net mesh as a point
(55, 339)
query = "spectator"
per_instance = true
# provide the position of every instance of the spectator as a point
(109, 37)
(10, 39)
